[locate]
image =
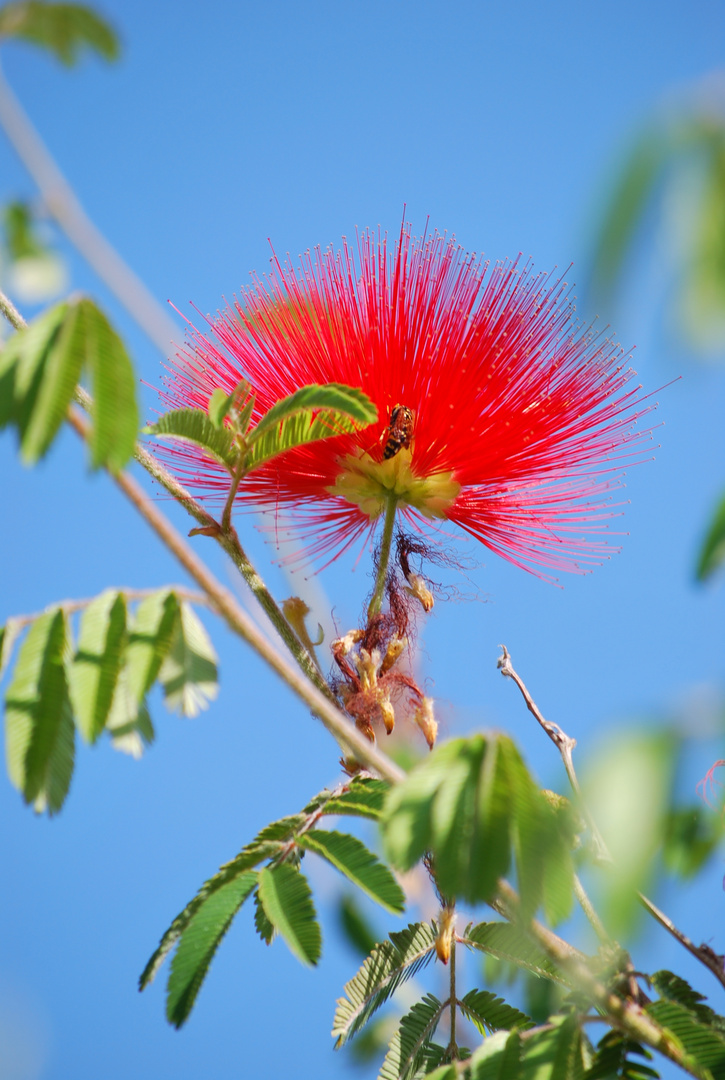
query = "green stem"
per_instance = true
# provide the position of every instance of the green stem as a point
(377, 601)
(452, 1045)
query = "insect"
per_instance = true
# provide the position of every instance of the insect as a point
(400, 431)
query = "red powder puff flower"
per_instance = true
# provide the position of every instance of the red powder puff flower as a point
(496, 411)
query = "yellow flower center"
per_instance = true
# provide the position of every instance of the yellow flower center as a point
(369, 484)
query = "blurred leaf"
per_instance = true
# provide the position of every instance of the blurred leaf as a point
(20, 238)
(490, 1013)
(310, 414)
(508, 942)
(8, 636)
(150, 636)
(712, 552)
(194, 426)
(22, 361)
(355, 926)
(365, 798)
(702, 1041)
(94, 672)
(129, 723)
(287, 901)
(115, 411)
(409, 1046)
(498, 1058)
(39, 729)
(692, 835)
(390, 963)
(372, 1043)
(471, 803)
(350, 856)
(674, 988)
(612, 1060)
(189, 672)
(63, 29)
(199, 942)
(630, 781)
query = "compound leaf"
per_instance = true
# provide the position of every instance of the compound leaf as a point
(38, 720)
(702, 1041)
(507, 942)
(94, 672)
(390, 963)
(491, 1013)
(195, 426)
(410, 1044)
(365, 798)
(352, 858)
(199, 942)
(287, 901)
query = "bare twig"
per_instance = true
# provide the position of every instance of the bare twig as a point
(62, 203)
(707, 956)
(11, 313)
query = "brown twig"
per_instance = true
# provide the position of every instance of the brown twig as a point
(707, 956)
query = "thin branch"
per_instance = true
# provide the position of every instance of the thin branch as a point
(72, 606)
(707, 956)
(11, 313)
(590, 912)
(62, 203)
(564, 744)
(241, 624)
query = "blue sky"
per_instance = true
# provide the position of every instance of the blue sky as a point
(224, 126)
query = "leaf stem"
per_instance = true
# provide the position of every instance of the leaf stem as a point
(384, 558)
(452, 1045)
(11, 313)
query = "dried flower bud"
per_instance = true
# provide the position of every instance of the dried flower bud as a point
(426, 721)
(395, 648)
(446, 928)
(418, 588)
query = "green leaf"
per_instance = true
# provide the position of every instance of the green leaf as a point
(490, 1013)
(8, 636)
(265, 845)
(115, 410)
(555, 1052)
(355, 926)
(189, 672)
(676, 989)
(94, 672)
(712, 552)
(194, 426)
(22, 361)
(471, 802)
(390, 963)
(287, 901)
(150, 636)
(509, 943)
(365, 798)
(692, 836)
(263, 926)
(310, 414)
(199, 942)
(38, 720)
(63, 29)
(61, 370)
(128, 722)
(409, 1046)
(445, 1072)
(612, 1060)
(704, 1043)
(498, 1059)
(350, 856)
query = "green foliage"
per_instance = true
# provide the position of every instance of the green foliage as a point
(194, 426)
(40, 368)
(199, 941)
(355, 926)
(490, 1013)
(703, 1042)
(612, 1059)
(499, 1058)
(350, 856)
(38, 722)
(673, 988)
(556, 1052)
(390, 963)
(410, 1047)
(287, 902)
(188, 674)
(712, 552)
(365, 797)
(262, 925)
(65, 30)
(96, 665)
(692, 835)
(509, 943)
(150, 635)
(473, 805)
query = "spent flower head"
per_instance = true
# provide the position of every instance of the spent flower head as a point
(497, 411)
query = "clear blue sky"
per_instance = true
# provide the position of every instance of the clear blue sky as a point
(226, 124)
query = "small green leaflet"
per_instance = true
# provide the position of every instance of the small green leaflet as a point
(364, 798)
(189, 672)
(194, 426)
(150, 636)
(287, 902)
(410, 1046)
(490, 1013)
(96, 665)
(261, 923)
(39, 371)
(390, 963)
(712, 552)
(199, 941)
(128, 722)
(39, 733)
(63, 29)
(350, 856)
(508, 942)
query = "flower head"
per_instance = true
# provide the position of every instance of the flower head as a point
(496, 411)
